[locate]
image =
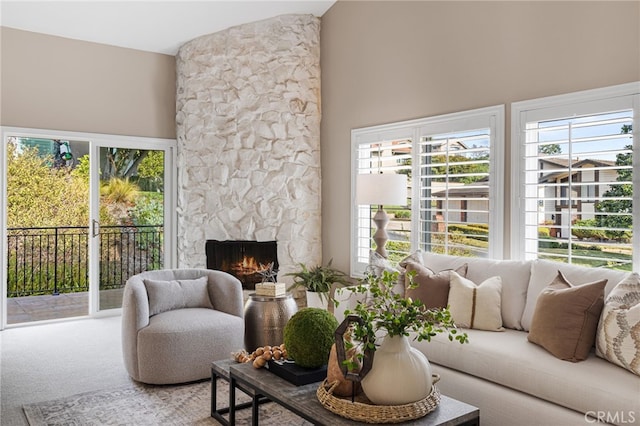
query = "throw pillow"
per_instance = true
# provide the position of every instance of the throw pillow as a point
(415, 257)
(433, 288)
(378, 264)
(544, 271)
(476, 306)
(566, 317)
(177, 294)
(618, 336)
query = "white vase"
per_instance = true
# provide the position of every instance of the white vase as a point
(400, 374)
(314, 300)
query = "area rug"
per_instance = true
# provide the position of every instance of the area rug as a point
(138, 404)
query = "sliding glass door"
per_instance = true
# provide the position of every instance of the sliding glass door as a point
(128, 225)
(81, 213)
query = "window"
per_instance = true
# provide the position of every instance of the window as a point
(573, 173)
(454, 165)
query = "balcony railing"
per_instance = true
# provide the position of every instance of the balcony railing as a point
(54, 260)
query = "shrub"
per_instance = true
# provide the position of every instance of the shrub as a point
(581, 232)
(148, 211)
(402, 214)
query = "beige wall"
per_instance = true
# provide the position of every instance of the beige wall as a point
(62, 84)
(391, 61)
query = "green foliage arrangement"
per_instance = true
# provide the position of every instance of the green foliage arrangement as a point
(318, 279)
(396, 315)
(309, 335)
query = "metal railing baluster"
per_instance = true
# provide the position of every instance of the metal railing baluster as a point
(53, 260)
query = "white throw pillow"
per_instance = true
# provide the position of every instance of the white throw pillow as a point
(378, 264)
(545, 271)
(177, 294)
(476, 306)
(618, 336)
(515, 276)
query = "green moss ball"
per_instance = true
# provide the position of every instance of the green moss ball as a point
(308, 336)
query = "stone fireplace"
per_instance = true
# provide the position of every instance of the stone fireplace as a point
(242, 259)
(248, 131)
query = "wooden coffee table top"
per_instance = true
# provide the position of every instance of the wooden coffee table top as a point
(303, 401)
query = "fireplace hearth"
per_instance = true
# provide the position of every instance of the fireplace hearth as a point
(242, 259)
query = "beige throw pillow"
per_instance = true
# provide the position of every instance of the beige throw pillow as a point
(566, 317)
(178, 294)
(618, 336)
(433, 288)
(476, 306)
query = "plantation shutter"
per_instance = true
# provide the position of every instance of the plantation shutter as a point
(386, 152)
(454, 192)
(454, 164)
(578, 188)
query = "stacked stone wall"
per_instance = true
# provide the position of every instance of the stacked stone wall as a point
(248, 131)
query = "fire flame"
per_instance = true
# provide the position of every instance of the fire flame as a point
(247, 266)
(249, 263)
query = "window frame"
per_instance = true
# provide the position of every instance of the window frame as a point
(492, 117)
(588, 102)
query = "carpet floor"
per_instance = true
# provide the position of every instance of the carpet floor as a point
(140, 405)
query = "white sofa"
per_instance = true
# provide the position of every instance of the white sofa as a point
(516, 382)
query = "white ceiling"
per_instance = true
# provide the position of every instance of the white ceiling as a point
(154, 26)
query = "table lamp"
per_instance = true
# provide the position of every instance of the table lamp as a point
(380, 189)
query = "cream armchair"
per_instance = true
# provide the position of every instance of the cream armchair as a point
(175, 323)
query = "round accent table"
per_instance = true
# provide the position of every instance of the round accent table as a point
(265, 318)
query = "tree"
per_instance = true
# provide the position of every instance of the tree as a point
(41, 195)
(552, 149)
(152, 168)
(623, 190)
(476, 171)
(121, 162)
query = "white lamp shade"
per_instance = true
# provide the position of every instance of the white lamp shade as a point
(383, 189)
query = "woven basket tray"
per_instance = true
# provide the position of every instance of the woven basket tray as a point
(364, 411)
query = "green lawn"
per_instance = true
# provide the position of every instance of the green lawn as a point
(599, 261)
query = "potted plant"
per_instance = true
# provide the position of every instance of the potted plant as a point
(400, 374)
(317, 282)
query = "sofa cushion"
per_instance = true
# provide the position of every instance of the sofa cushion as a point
(566, 318)
(544, 271)
(515, 280)
(476, 306)
(177, 294)
(508, 359)
(432, 288)
(618, 336)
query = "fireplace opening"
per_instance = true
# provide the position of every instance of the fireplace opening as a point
(242, 259)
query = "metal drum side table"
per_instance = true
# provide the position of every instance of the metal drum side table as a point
(265, 318)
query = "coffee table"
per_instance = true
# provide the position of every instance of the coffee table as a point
(302, 400)
(220, 369)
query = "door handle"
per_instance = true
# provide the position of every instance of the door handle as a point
(95, 228)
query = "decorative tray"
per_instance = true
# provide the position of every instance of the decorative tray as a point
(362, 410)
